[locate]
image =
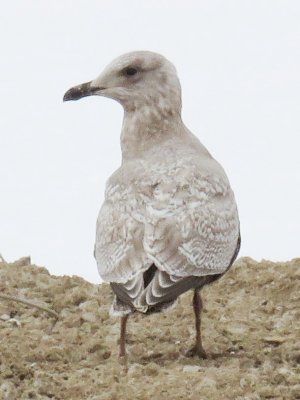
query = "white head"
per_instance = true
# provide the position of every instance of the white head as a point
(136, 80)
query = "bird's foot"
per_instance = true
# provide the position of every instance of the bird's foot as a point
(196, 351)
(123, 360)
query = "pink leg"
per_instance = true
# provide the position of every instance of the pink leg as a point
(123, 335)
(197, 349)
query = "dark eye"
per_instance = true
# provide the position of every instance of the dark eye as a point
(130, 71)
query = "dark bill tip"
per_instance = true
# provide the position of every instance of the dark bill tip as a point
(83, 90)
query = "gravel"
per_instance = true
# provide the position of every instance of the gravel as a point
(251, 332)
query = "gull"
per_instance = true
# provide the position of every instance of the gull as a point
(169, 222)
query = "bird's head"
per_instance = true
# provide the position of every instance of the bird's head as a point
(136, 80)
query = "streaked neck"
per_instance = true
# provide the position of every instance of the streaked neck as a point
(146, 127)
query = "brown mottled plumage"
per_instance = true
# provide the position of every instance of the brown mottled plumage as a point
(169, 222)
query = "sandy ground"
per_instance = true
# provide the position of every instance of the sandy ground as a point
(251, 332)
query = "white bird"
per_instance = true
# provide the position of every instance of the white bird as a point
(169, 222)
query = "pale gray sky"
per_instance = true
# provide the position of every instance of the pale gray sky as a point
(239, 66)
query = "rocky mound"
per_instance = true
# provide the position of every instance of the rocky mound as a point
(250, 332)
